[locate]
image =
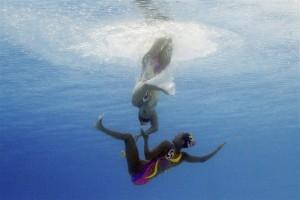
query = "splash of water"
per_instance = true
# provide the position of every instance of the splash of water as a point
(64, 40)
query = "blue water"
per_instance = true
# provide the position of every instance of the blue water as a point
(236, 68)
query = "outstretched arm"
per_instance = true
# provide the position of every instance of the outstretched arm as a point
(195, 159)
(160, 150)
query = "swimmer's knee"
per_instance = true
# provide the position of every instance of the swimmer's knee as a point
(128, 136)
(129, 139)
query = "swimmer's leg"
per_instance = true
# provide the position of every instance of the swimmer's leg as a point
(132, 155)
(166, 53)
(160, 53)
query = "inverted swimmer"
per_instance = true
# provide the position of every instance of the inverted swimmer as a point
(166, 155)
(146, 91)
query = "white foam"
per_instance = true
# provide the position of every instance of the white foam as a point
(132, 39)
(63, 40)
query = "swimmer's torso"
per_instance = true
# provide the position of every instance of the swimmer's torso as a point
(157, 166)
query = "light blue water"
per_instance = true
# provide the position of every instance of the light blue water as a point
(236, 68)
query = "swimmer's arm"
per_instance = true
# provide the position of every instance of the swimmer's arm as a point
(196, 159)
(156, 152)
(154, 124)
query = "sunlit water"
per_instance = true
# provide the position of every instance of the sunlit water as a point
(236, 68)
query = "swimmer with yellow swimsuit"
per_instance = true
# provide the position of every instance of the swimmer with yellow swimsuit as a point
(166, 155)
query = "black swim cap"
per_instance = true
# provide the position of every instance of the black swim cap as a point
(188, 140)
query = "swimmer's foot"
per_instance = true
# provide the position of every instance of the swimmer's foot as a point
(221, 146)
(115, 134)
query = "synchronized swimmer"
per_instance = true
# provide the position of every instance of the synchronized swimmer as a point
(166, 155)
(146, 91)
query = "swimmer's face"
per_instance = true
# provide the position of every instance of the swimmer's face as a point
(184, 140)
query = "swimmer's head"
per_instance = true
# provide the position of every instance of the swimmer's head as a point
(184, 140)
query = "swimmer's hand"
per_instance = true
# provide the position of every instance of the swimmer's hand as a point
(141, 134)
(145, 135)
(221, 146)
(136, 137)
(99, 124)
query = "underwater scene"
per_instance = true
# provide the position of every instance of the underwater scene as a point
(149, 99)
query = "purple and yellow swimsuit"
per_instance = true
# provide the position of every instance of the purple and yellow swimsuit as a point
(153, 168)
